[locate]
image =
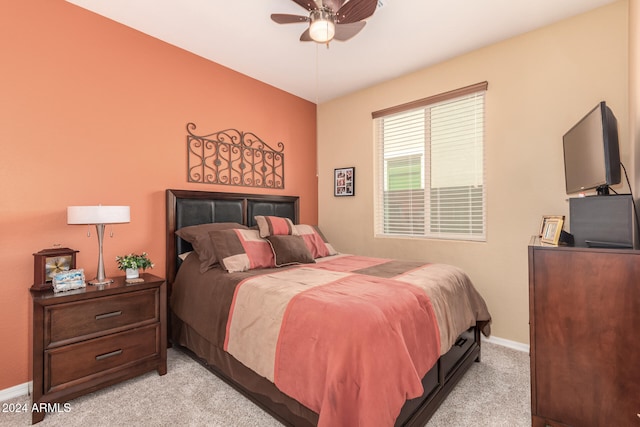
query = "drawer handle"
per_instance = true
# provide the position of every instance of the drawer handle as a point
(107, 355)
(107, 315)
(460, 342)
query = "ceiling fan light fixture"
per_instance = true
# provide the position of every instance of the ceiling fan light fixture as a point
(322, 27)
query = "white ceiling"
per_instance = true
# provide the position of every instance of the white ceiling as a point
(402, 36)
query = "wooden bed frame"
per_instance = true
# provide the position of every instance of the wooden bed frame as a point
(186, 207)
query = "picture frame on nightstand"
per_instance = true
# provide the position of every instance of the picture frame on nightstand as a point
(48, 262)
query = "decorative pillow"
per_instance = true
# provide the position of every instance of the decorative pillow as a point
(289, 250)
(315, 241)
(198, 236)
(241, 250)
(274, 226)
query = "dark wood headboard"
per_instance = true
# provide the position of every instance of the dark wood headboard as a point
(187, 207)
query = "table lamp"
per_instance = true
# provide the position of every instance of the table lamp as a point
(99, 216)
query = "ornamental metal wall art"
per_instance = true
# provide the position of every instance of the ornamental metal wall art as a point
(233, 157)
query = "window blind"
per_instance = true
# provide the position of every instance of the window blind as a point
(430, 174)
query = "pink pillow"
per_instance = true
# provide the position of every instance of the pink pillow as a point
(274, 226)
(241, 250)
(315, 241)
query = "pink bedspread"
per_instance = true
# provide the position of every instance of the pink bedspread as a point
(355, 350)
(349, 346)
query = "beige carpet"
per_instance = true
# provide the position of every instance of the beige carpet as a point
(494, 392)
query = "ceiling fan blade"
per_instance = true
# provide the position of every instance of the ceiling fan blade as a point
(345, 31)
(307, 4)
(356, 10)
(334, 5)
(306, 37)
(283, 18)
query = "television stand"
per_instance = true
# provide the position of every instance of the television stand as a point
(583, 329)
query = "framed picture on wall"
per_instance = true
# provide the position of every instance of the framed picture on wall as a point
(344, 181)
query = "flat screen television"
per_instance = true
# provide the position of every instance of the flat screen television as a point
(592, 153)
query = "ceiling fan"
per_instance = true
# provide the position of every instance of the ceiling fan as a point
(330, 19)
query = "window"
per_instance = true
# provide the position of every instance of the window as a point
(430, 155)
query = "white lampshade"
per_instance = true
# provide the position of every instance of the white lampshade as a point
(97, 214)
(322, 27)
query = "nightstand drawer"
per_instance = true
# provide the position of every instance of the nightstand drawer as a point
(68, 365)
(80, 320)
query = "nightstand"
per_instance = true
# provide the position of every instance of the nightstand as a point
(87, 339)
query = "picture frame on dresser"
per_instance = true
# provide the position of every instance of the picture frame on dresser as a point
(551, 229)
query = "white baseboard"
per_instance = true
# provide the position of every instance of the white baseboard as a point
(507, 343)
(15, 391)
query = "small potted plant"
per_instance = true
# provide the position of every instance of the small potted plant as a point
(132, 263)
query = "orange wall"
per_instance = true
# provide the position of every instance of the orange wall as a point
(93, 112)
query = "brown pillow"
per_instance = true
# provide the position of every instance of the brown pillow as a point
(289, 250)
(198, 236)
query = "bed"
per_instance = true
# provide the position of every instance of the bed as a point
(325, 338)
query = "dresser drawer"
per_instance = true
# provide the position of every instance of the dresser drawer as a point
(75, 363)
(81, 320)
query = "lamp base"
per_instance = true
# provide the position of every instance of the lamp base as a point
(96, 282)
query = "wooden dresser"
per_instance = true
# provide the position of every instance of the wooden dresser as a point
(585, 345)
(89, 338)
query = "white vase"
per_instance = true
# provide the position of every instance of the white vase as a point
(132, 273)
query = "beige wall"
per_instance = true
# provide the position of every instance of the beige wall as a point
(540, 84)
(634, 89)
